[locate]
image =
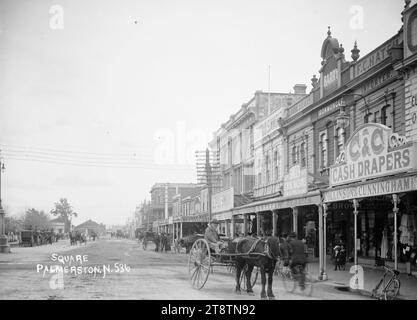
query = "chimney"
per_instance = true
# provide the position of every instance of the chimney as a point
(300, 89)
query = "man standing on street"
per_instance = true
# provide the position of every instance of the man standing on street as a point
(298, 257)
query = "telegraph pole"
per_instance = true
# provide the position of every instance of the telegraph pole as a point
(209, 182)
(208, 173)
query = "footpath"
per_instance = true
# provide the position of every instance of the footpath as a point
(372, 275)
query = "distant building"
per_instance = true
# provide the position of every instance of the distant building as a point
(57, 224)
(91, 226)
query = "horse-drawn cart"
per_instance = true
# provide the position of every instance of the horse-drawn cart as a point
(202, 260)
(28, 238)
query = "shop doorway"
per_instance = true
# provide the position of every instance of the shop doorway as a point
(284, 221)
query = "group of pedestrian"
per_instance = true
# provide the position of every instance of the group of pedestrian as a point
(162, 242)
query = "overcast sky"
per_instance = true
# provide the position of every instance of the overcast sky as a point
(101, 99)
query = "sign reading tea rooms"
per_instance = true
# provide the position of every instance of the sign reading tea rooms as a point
(372, 151)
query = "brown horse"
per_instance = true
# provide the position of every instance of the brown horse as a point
(262, 253)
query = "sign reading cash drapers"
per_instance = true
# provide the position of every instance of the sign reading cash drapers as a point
(372, 151)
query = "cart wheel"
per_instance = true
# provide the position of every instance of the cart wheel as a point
(254, 277)
(199, 263)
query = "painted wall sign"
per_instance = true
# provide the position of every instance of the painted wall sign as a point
(372, 151)
(330, 76)
(300, 105)
(396, 185)
(222, 201)
(330, 108)
(374, 58)
(377, 81)
(267, 126)
(295, 182)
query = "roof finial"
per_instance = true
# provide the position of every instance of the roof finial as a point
(329, 33)
(355, 52)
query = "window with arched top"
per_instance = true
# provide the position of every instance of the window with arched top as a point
(387, 116)
(340, 140)
(323, 149)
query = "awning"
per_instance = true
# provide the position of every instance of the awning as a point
(307, 199)
(194, 218)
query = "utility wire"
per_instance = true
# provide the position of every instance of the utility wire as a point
(74, 153)
(172, 167)
(74, 158)
(101, 162)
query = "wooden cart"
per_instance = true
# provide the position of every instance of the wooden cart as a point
(28, 238)
(201, 262)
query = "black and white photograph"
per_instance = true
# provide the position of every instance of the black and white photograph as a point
(193, 150)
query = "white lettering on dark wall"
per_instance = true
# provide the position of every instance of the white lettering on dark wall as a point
(331, 78)
(330, 108)
(374, 58)
(372, 189)
(377, 81)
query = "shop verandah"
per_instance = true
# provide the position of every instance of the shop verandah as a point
(374, 213)
(276, 216)
(182, 226)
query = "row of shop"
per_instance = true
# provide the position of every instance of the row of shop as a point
(374, 213)
(337, 165)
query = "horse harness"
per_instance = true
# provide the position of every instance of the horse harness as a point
(267, 250)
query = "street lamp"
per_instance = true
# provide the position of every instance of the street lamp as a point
(342, 119)
(4, 246)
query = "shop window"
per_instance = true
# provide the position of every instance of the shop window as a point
(303, 154)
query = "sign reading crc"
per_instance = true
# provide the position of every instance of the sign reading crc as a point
(372, 151)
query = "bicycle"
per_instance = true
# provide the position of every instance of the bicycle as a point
(291, 279)
(387, 290)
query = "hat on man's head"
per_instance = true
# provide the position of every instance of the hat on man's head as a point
(214, 221)
(293, 235)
